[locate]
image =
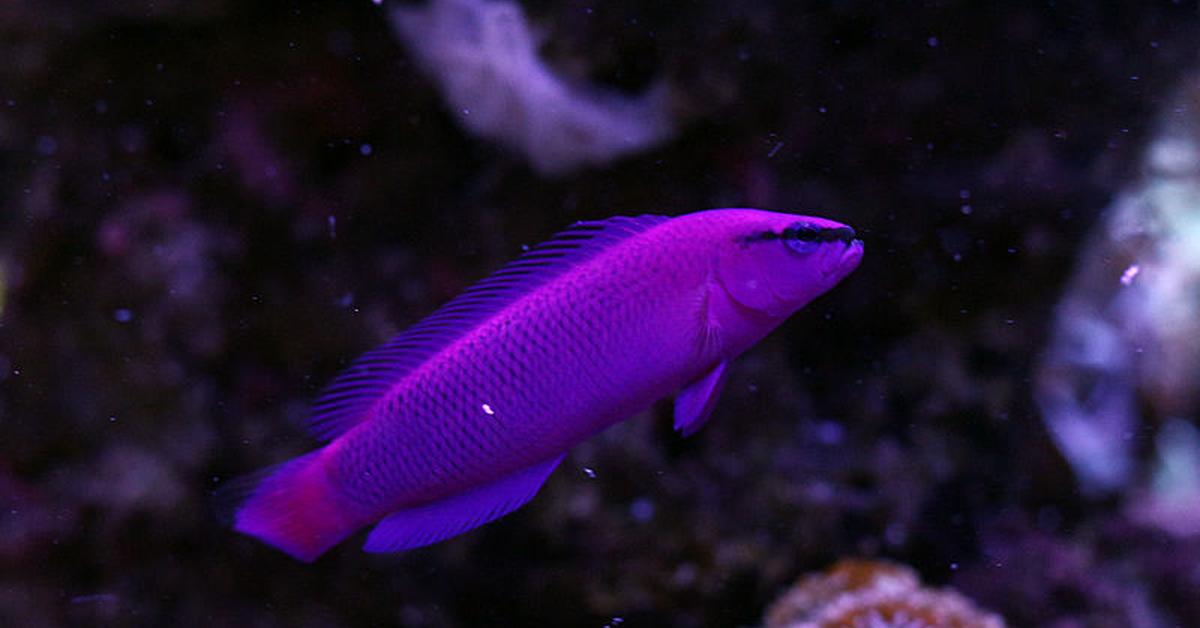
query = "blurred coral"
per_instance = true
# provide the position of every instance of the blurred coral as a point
(857, 593)
(1171, 502)
(1128, 327)
(28, 518)
(483, 56)
(1105, 574)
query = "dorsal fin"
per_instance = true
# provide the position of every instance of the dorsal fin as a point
(347, 399)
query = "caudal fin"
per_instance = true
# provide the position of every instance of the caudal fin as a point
(289, 506)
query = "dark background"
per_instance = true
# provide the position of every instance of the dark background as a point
(194, 237)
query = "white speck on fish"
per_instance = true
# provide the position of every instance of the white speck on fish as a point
(1130, 273)
(488, 410)
(588, 471)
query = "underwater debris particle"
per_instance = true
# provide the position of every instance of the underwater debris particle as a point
(642, 509)
(873, 594)
(95, 598)
(1130, 273)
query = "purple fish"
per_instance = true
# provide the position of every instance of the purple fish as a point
(460, 419)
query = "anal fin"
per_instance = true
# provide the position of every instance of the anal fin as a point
(695, 403)
(429, 523)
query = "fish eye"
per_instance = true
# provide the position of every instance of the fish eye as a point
(802, 237)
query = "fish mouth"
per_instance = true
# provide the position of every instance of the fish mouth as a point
(847, 260)
(854, 248)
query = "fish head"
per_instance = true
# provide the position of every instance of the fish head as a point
(778, 263)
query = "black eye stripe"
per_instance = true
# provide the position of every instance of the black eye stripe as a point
(810, 233)
(804, 233)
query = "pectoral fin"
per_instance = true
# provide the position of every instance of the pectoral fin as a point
(695, 403)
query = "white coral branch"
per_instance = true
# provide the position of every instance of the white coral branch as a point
(483, 56)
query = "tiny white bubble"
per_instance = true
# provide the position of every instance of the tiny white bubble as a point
(1130, 274)
(488, 410)
(588, 471)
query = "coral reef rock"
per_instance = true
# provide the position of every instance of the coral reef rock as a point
(873, 594)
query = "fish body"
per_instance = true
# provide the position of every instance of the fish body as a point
(460, 419)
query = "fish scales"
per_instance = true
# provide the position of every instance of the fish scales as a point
(461, 420)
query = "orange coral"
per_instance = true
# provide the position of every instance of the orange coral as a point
(873, 594)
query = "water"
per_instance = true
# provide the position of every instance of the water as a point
(210, 208)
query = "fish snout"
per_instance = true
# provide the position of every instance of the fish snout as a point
(844, 256)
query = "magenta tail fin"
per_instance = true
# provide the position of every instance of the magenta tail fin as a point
(290, 506)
